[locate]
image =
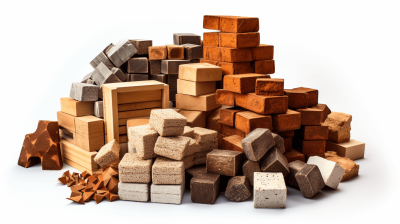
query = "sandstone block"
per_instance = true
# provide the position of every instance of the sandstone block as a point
(167, 122)
(143, 138)
(188, 132)
(172, 147)
(168, 194)
(350, 167)
(108, 153)
(167, 171)
(133, 191)
(269, 190)
(132, 169)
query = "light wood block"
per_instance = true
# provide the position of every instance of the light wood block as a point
(135, 113)
(352, 149)
(140, 96)
(89, 133)
(194, 118)
(139, 105)
(76, 108)
(195, 88)
(200, 72)
(66, 121)
(78, 155)
(133, 122)
(201, 103)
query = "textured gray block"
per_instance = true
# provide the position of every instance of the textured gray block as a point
(172, 66)
(121, 52)
(88, 77)
(142, 46)
(274, 161)
(102, 58)
(186, 38)
(257, 143)
(84, 92)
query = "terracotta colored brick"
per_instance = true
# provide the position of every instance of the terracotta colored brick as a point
(234, 55)
(294, 155)
(291, 120)
(225, 97)
(247, 121)
(264, 67)
(312, 147)
(175, 52)
(315, 115)
(244, 83)
(286, 134)
(211, 22)
(221, 141)
(311, 133)
(233, 68)
(262, 104)
(301, 98)
(236, 24)
(232, 143)
(212, 53)
(211, 39)
(227, 116)
(210, 62)
(263, 52)
(239, 40)
(269, 87)
(158, 53)
(228, 131)
(288, 144)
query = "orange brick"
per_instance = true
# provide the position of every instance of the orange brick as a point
(247, 121)
(234, 55)
(221, 141)
(225, 97)
(302, 97)
(264, 67)
(243, 83)
(270, 87)
(312, 147)
(315, 115)
(239, 40)
(263, 52)
(262, 104)
(294, 155)
(233, 68)
(211, 22)
(291, 120)
(211, 39)
(228, 131)
(286, 134)
(236, 24)
(288, 144)
(212, 53)
(210, 62)
(232, 143)
(227, 116)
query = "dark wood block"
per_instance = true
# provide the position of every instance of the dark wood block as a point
(175, 52)
(159, 77)
(301, 98)
(274, 161)
(154, 67)
(270, 87)
(294, 168)
(238, 189)
(312, 147)
(228, 131)
(247, 121)
(172, 66)
(192, 52)
(227, 116)
(186, 38)
(291, 120)
(249, 168)
(264, 67)
(225, 97)
(263, 52)
(205, 188)
(262, 104)
(257, 143)
(243, 83)
(315, 115)
(142, 46)
(172, 81)
(158, 53)
(294, 155)
(191, 172)
(310, 180)
(138, 65)
(311, 133)
(194, 61)
(224, 162)
(172, 94)
(138, 77)
(102, 58)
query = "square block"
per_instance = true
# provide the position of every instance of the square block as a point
(192, 52)
(167, 122)
(233, 68)
(203, 135)
(339, 127)
(191, 172)
(274, 161)
(225, 97)
(211, 39)
(315, 115)
(239, 40)
(186, 38)
(144, 138)
(172, 147)
(227, 116)
(121, 52)
(212, 53)
(235, 54)
(194, 118)
(172, 66)
(154, 67)
(352, 149)
(201, 72)
(310, 133)
(142, 46)
(224, 162)
(168, 194)
(209, 61)
(89, 132)
(201, 103)
(175, 52)
(244, 83)
(310, 180)
(331, 172)
(291, 120)
(301, 98)
(269, 190)
(205, 188)
(262, 104)
(232, 143)
(228, 131)
(120, 75)
(294, 168)
(132, 169)
(312, 147)
(211, 22)
(264, 67)
(76, 108)
(158, 53)
(294, 155)
(84, 92)
(138, 65)
(195, 88)
(167, 171)
(236, 24)
(262, 52)
(108, 153)
(248, 121)
(133, 191)
(138, 77)
(269, 87)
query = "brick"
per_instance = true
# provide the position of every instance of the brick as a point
(262, 104)
(263, 52)
(294, 155)
(142, 46)
(213, 120)
(154, 67)
(192, 52)
(227, 116)
(291, 120)
(232, 143)
(172, 66)
(339, 126)
(193, 171)
(200, 72)
(228, 131)
(186, 38)
(89, 133)
(249, 168)
(138, 77)
(312, 147)
(172, 147)
(211, 22)
(244, 83)
(84, 92)
(233, 68)
(157, 53)
(138, 65)
(350, 167)
(314, 133)
(107, 154)
(102, 57)
(159, 77)
(195, 88)
(132, 169)
(224, 162)
(234, 54)
(121, 52)
(269, 87)
(331, 172)
(167, 194)
(352, 149)
(238, 189)
(209, 61)
(194, 118)
(201, 103)
(205, 188)
(76, 108)
(315, 115)
(264, 67)
(301, 98)
(167, 122)
(133, 191)
(211, 39)
(143, 138)
(274, 161)
(167, 171)
(175, 52)
(236, 24)
(225, 97)
(288, 144)
(286, 134)
(212, 53)
(239, 40)
(269, 190)
(257, 143)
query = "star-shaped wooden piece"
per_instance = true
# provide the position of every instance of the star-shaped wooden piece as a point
(63, 180)
(88, 195)
(76, 197)
(113, 185)
(98, 198)
(112, 197)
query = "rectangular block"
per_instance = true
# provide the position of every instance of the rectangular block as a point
(310, 133)
(193, 171)
(138, 65)
(132, 169)
(167, 122)
(212, 53)
(247, 121)
(158, 53)
(104, 75)
(120, 75)
(269, 87)
(208, 61)
(331, 172)
(78, 156)
(211, 22)
(315, 115)
(84, 92)
(294, 155)
(205, 188)
(236, 24)
(175, 52)
(228, 131)
(139, 105)
(137, 77)
(67, 135)
(301, 98)
(167, 194)
(195, 88)
(227, 116)
(139, 96)
(133, 122)
(102, 58)
(269, 190)
(89, 133)
(66, 121)
(312, 147)
(186, 38)
(142, 46)
(244, 83)
(288, 141)
(121, 52)
(201, 103)
(194, 118)
(291, 120)
(239, 40)
(172, 147)
(235, 55)
(264, 67)
(211, 39)
(263, 52)
(135, 113)
(159, 77)
(262, 104)
(143, 138)
(167, 171)
(154, 67)
(225, 97)
(353, 149)
(232, 143)
(338, 124)
(224, 162)
(233, 68)
(172, 66)
(201, 72)
(192, 52)
(134, 191)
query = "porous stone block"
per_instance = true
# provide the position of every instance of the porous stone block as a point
(108, 153)
(238, 189)
(204, 135)
(239, 40)
(157, 52)
(188, 161)
(188, 132)
(102, 57)
(143, 138)
(248, 121)
(269, 190)
(138, 65)
(301, 98)
(264, 67)
(121, 52)
(224, 162)
(315, 115)
(332, 172)
(291, 120)
(269, 87)
(132, 169)
(350, 167)
(138, 77)
(211, 39)
(257, 143)
(167, 171)
(233, 68)
(262, 52)
(193, 171)
(234, 54)
(200, 72)
(205, 188)
(104, 75)
(274, 161)
(192, 52)
(167, 122)
(279, 142)
(142, 46)
(352, 149)
(294, 155)
(186, 38)
(249, 168)
(175, 52)
(339, 127)
(133, 191)
(155, 67)
(262, 104)
(236, 24)
(84, 92)
(225, 97)
(168, 194)
(172, 147)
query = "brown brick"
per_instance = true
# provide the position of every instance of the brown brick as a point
(227, 116)
(315, 115)
(247, 121)
(209, 61)
(224, 162)
(234, 55)
(212, 53)
(291, 120)
(211, 22)
(221, 141)
(262, 104)
(264, 67)
(311, 133)
(339, 127)
(239, 40)
(236, 24)
(269, 87)
(157, 52)
(232, 143)
(312, 147)
(244, 83)
(288, 144)
(301, 98)
(211, 39)
(263, 52)
(228, 131)
(294, 155)
(233, 68)
(286, 134)
(225, 97)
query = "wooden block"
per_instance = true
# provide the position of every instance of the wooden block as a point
(193, 52)
(142, 46)
(172, 66)
(224, 162)
(133, 122)
(227, 116)
(121, 52)
(232, 143)
(294, 155)
(234, 54)
(228, 131)
(264, 67)
(249, 168)
(172, 81)
(212, 53)
(244, 83)
(123, 130)
(291, 120)
(123, 138)
(139, 105)
(288, 144)
(315, 115)
(89, 133)
(209, 61)
(154, 67)
(139, 96)
(238, 189)
(352, 149)
(194, 118)
(66, 121)
(331, 172)
(263, 52)
(159, 77)
(138, 77)
(301, 98)
(78, 155)
(233, 68)
(236, 24)
(274, 161)
(195, 88)
(102, 57)
(186, 38)
(312, 147)
(158, 53)
(201, 103)
(200, 72)
(205, 188)
(138, 65)
(339, 126)
(175, 52)
(84, 92)
(135, 113)
(269, 190)
(239, 40)
(225, 97)
(311, 133)
(258, 143)
(211, 39)
(247, 121)
(350, 167)
(262, 104)
(269, 87)
(67, 135)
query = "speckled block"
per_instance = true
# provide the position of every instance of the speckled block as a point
(339, 127)
(269, 190)
(238, 189)
(172, 147)
(188, 132)
(274, 161)
(167, 122)
(133, 192)
(84, 92)
(332, 172)
(108, 153)
(132, 169)
(168, 194)
(167, 171)
(257, 143)
(121, 52)
(143, 138)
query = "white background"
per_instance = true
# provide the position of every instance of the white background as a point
(348, 50)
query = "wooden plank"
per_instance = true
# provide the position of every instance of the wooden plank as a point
(123, 130)
(139, 105)
(165, 97)
(135, 86)
(123, 138)
(78, 155)
(132, 122)
(89, 133)
(138, 96)
(76, 108)
(195, 88)
(77, 166)
(111, 113)
(194, 118)
(201, 103)
(66, 121)
(135, 113)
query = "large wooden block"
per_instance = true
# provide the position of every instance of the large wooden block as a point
(89, 133)
(186, 38)
(154, 67)
(172, 66)
(236, 24)
(201, 103)
(264, 67)
(159, 77)
(84, 92)
(225, 97)
(350, 167)
(294, 155)
(315, 115)
(235, 55)
(142, 46)
(66, 121)
(263, 52)
(352, 149)
(78, 156)
(291, 120)
(192, 52)
(212, 53)
(233, 68)
(262, 104)
(224, 162)
(200, 72)
(269, 190)
(232, 143)
(195, 88)
(339, 126)
(194, 118)
(138, 65)
(248, 121)
(258, 143)
(228, 131)
(175, 52)
(211, 39)
(301, 98)
(244, 83)
(269, 87)
(158, 53)
(227, 116)
(121, 52)
(239, 40)
(312, 147)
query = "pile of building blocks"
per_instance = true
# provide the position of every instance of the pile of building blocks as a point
(203, 115)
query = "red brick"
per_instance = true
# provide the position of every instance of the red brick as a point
(269, 87)
(232, 143)
(239, 40)
(212, 53)
(236, 24)
(291, 120)
(301, 98)
(225, 97)
(211, 22)
(312, 147)
(211, 39)
(286, 134)
(233, 68)
(228, 131)
(234, 55)
(247, 121)
(264, 67)
(263, 52)
(262, 104)
(227, 116)
(311, 133)
(294, 155)
(244, 83)
(315, 115)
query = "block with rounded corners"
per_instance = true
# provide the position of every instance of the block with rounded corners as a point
(167, 122)
(257, 143)
(143, 138)
(352, 149)
(204, 135)
(205, 188)
(224, 162)
(269, 190)
(133, 169)
(274, 161)
(332, 172)
(310, 180)
(108, 154)
(238, 189)
(168, 171)
(339, 127)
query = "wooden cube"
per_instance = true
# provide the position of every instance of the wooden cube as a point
(248, 121)
(225, 97)
(186, 38)
(158, 53)
(175, 52)
(352, 149)
(167, 171)
(205, 188)
(262, 104)
(294, 155)
(235, 55)
(200, 72)
(239, 40)
(301, 98)
(269, 87)
(192, 52)
(89, 133)
(244, 83)
(194, 118)
(172, 66)
(235, 24)
(195, 88)
(332, 172)
(291, 120)
(142, 46)
(269, 190)
(154, 67)
(212, 53)
(315, 115)
(76, 108)
(138, 65)
(224, 162)
(339, 127)
(232, 68)
(211, 39)
(121, 52)
(262, 52)
(202, 103)
(257, 143)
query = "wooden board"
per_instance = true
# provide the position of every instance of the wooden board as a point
(132, 122)
(78, 155)
(139, 96)
(123, 130)
(200, 72)
(89, 133)
(139, 105)
(135, 113)
(76, 108)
